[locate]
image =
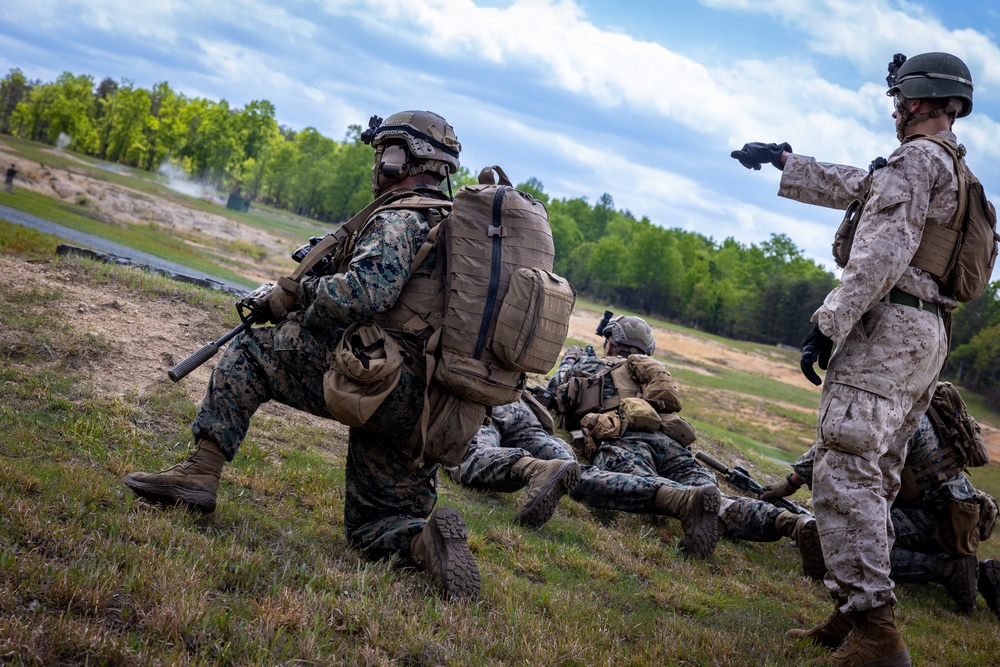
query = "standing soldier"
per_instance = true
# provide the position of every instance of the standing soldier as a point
(887, 321)
(9, 179)
(389, 494)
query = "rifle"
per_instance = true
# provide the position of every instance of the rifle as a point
(252, 309)
(740, 478)
(544, 396)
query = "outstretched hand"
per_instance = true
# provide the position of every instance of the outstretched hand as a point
(756, 153)
(815, 349)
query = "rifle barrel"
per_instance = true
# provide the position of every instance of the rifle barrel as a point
(204, 353)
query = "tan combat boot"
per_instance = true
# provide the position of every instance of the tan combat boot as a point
(548, 481)
(831, 632)
(698, 509)
(194, 482)
(873, 642)
(802, 529)
(961, 577)
(441, 549)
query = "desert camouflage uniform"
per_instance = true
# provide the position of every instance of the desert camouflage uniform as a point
(386, 503)
(883, 373)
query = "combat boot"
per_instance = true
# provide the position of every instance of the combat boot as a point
(961, 577)
(989, 584)
(698, 509)
(548, 481)
(194, 482)
(831, 632)
(873, 642)
(442, 550)
(802, 529)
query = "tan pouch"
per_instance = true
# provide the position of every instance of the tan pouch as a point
(366, 368)
(677, 428)
(452, 423)
(545, 419)
(658, 387)
(639, 414)
(958, 529)
(987, 515)
(604, 425)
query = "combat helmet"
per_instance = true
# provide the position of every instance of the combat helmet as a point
(631, 331)
(931, 76)
(421, 140)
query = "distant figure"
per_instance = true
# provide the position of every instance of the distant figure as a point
(9, 180)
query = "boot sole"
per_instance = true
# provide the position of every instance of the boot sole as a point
(171, 494)
(702, 535)
(813, 564)
(544, 506)
(989, 584)
(459, 575)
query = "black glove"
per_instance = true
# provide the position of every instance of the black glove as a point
(754, 154)
(816, 348)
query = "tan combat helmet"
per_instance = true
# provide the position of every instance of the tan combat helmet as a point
(631, 331)
(931, 76)
(411, 142)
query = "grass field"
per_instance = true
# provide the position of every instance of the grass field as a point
(89, 575)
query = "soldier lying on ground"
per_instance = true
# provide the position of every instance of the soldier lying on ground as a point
(515, 450)
(937, 530)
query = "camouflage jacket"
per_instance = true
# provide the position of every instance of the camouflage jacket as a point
(918, 186)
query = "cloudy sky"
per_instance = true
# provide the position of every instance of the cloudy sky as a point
(641, 99)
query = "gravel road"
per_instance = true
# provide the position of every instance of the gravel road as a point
(98, 244)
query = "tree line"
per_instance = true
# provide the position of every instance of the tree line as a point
(759, 292)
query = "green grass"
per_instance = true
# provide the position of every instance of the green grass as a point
(91, 575)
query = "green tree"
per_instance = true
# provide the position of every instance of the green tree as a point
(13, 88)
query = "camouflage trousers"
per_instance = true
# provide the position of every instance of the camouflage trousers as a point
(385, 502)
(652, 455)
(748, 519)
(878, 385)
(489, 463)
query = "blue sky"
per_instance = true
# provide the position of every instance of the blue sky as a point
(641, 99)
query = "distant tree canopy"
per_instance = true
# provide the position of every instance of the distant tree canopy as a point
(762, 292)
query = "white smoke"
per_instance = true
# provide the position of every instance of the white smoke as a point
(63, 141)
(178, 181)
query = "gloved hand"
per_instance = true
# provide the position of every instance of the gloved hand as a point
(777, 490)
(754, 154)
(280, 302)
(816, 348)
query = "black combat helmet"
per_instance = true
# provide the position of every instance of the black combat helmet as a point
(931, 76)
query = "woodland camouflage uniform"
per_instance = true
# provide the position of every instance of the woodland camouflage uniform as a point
(515, 432)
(386, 503)
(389, 495)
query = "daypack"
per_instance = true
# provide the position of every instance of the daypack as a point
(956, 427)
(960, 255)
(504, 312)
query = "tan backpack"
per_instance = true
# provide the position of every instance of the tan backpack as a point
(505, 313)
(956, 427)
(960, 255)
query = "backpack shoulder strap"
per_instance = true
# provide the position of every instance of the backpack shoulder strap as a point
(957, 153)
(331, 242)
